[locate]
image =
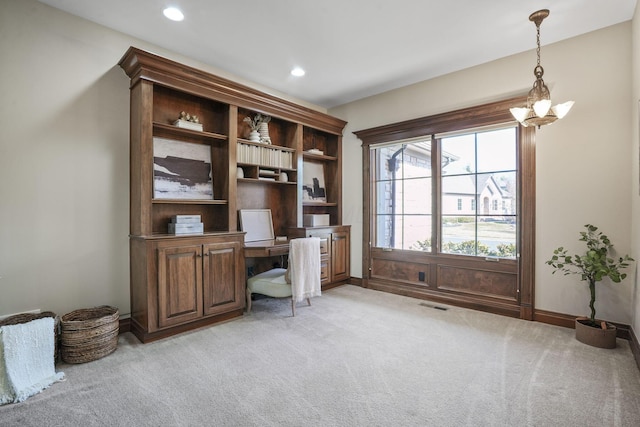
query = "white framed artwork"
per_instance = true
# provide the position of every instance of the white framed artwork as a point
(257, 223)
(181, 170)
(313, 188)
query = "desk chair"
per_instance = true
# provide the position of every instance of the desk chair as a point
(301, 280)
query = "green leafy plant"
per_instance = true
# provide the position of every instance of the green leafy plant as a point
(592, 266)
(465, 248)
(503, 250)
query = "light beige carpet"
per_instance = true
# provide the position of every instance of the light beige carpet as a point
(356, 357)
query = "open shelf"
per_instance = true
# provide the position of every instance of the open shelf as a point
(319, 204)
(171, 131)
(319, 157)
(264, 181)
(189, 202)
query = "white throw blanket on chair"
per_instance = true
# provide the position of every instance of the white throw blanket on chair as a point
(304, 263)
(27, 364)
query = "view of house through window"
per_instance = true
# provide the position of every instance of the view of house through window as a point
(404, 188)
(476, 207)
(480, 169)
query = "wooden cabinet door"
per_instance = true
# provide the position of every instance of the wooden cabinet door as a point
(179, 284)
(340, 256)
(223, 284)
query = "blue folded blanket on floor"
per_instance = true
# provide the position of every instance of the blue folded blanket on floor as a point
(27, 362)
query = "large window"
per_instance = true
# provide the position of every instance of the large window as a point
(480, 167)
(449, 208)
(404, 188)
(475, 209)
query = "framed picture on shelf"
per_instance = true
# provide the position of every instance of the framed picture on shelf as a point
(181, 170)
(257, 223)
(313, 189)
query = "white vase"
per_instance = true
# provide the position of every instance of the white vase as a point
(254, 136)
(264, 133)
(264, 130)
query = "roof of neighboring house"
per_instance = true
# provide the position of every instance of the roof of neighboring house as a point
(465, 185)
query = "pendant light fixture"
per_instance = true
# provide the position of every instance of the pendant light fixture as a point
(539, 111)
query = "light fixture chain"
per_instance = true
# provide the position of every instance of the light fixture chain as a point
(538, 43)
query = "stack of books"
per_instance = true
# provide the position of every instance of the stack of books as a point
(267, 155)
(186, 224)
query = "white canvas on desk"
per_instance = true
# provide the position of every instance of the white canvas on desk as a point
(257, 223)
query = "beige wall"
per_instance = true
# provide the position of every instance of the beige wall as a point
(64, 160)
(64, 156)
(583, 168)
(635, 159)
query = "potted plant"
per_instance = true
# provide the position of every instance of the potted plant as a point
(592, 266)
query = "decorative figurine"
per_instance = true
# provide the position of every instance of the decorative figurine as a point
(188, 117)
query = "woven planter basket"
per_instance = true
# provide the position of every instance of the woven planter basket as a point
(89, 334)
(17, 319)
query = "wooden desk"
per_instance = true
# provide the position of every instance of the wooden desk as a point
(266, 248)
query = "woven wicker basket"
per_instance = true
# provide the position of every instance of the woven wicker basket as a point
(89, 334)
(17, 319)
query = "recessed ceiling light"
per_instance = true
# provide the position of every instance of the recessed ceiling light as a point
(173, 13)
(297, 71)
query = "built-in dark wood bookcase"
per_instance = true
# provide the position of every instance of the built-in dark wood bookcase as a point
(179, 282)
(330, 160)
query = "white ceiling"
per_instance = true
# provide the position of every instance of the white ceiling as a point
(350, 48)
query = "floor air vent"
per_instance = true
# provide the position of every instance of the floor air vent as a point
(437, 307)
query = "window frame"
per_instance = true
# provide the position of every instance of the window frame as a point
(493, 207)
(495, 113)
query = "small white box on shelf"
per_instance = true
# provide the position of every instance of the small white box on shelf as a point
(185, 219)
(188, 125)
(186, 228)
(315, 220)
